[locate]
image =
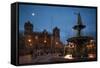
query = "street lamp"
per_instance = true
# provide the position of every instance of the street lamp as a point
(65, 46)
(56, 43)
(36, 37)
(29, 40)
(45, 41)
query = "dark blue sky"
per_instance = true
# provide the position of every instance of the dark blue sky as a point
(48, 17)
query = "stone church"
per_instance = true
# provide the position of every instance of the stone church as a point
(40, 43)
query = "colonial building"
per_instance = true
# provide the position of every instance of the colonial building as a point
(40, 43)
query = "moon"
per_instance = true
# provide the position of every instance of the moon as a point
(33, 14)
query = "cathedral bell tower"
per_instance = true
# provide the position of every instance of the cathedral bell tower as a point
(28, 28)
(28, 34)
(56, 32)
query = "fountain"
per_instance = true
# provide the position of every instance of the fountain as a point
(79, 40)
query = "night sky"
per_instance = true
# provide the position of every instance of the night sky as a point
(48, 17)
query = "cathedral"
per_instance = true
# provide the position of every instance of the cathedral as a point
(40, 43)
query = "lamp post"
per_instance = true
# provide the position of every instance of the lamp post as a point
(45, 42)
(30, 42)
(36, 43)
(64, 49)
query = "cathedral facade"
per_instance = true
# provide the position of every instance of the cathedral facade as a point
(40, 43)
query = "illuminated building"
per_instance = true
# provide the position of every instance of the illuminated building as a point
(41, 43)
